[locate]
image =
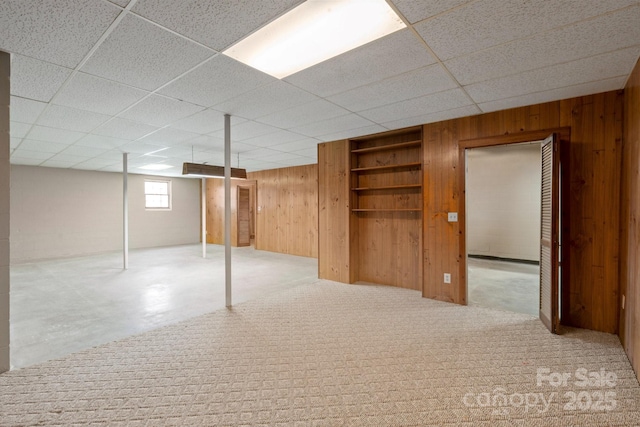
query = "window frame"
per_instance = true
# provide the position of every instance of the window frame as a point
(169, 194)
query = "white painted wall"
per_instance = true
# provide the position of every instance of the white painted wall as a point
(66, 212)
(503, 201)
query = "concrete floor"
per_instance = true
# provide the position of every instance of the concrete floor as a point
(503, 285)
(62, 306)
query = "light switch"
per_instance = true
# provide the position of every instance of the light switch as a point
(453, 216)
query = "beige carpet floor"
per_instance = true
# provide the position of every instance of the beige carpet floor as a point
(329, 354)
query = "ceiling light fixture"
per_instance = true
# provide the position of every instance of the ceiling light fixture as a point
(313, 32)
(155, 167)
(203, 170)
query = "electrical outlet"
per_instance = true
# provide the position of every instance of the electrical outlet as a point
(447, 278)
(452, 216)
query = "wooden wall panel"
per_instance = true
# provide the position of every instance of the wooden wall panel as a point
(593, 159)
(629, 221)
(334, 261)
(287, 214)
(215, 209)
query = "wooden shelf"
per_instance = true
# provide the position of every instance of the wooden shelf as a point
(388, 147)
(388, 187)
(386, 210)
(394, 166)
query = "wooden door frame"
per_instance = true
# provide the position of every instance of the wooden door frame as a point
(564, 135)
(248, 188)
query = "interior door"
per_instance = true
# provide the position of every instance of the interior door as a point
(549, 233)
(244, 229)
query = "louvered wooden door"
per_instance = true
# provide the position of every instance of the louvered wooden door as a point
(549, 233)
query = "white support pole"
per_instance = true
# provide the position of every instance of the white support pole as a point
(204, 217)
(125, 212)
(227, 208)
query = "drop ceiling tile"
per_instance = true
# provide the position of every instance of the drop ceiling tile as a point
(239, 147)
(58, 116)
(565, 44)
(212, 158)
(352, 133)
(609, 65)
(265, 100)
(257, 165)
(124, 129)
(298, 161)
(418, 10)
(61, 32)
(138, 147)
(304, 114)
(275, 138)
(246, 130)
(281, 157)
(41, 133)
(259, 153)
(466, 111)
(205, 143)
(43, 146)
(29, 154)
(141, 54)
(311, 153)
(160, 111)
(14, 142)
(483, 24)
(57, 164)
(215, 24)
(115, 155)
(99, 141)
(394, 54)
(81, 151)
(336, 124)
(412, 84)
(122, 3)
(169, 136)
(93, 164)
(69, 158)
(295, 146)
(205, 121)
(18, 130)
(25, 110)
(555, 94)
(95, 94)
(34, 79)
(215, 81)
(440, 101)
(24, 161)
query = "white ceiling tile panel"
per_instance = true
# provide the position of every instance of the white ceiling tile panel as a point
(298, 161)
(24, 161)
(124, 129)
(18, 130)
(216, 24)
(80, 151)
(206, 143)
(259, 153)
(99, 95)
(205, 121)
(43, 146)
(418, 10)
(440, 101)
(394, 54)
(34, 79)
(215, 81)
(554, 94)
(238, 147)
(565, 44)
(265, 100)
(276, 138)
(115, 155)
(169, 136)
(58, 116)
(93, 164)
(57, 164)
(141, 54)
(25, 110)
(468, 110)
(61, 31)
(352, 133)
(298, 145)
(246, 130)
(336, 124)
(138, 147)
(69, 158)
(609, 65)
(412, 84)
(122, 3)
(41, 133)
(159, 110)
(303, 114)
(311, 152)
(14, 142)
(99, 141)
(487, 23)
(281, 157)
(28, 154)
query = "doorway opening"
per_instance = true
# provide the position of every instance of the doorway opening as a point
(503, 215)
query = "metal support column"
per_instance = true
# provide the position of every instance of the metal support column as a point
(227, 208)
(125, 212)
(204, 217)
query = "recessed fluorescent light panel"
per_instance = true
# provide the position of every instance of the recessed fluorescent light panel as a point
(313, 32)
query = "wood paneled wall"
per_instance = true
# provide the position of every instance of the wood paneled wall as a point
(287, 214)
(334, 259)
(215, 209)
(629, 226)
(593, 158)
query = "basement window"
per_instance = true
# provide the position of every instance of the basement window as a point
(157, 195)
